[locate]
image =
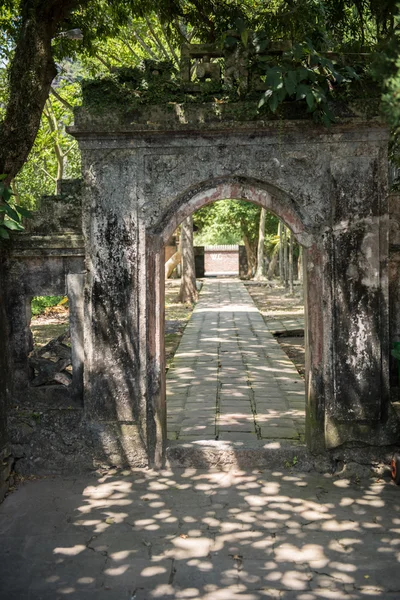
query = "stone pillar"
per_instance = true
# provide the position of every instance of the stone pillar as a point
(317, 371)
(394, 291)
(5, 453)
(357, 405)
(115, 314)
(156, 384)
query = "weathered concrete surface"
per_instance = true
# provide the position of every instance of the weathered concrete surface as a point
(206, 535)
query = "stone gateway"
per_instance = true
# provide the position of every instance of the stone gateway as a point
(143, 173)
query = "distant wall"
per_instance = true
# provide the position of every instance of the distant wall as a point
(221, 260)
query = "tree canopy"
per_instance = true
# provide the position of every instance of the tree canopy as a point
(48, 46)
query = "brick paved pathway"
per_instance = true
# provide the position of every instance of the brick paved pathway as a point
(230, 380)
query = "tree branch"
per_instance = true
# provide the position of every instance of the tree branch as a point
(170, 46)
(144, 45)
(156, 39)
(61, 99)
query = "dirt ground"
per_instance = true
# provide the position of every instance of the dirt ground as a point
(55, 320)
(52, 323)
(176, 317)
(274, 303)
(294, 348)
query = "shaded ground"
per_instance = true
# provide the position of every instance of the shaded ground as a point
(193, 534)
(278, 308)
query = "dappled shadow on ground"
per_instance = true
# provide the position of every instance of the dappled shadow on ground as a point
(201, 535)
(230, 380)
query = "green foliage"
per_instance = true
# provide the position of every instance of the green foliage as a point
(11, 213)
(40, 303)
(303, 74)
(119, 36)
(230, 221)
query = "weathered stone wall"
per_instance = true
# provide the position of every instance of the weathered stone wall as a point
(145, 174)
(142, 177)
(6, 458)
(394, 290)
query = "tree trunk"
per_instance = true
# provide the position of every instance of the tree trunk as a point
(285, 252)
(300, 265)
(53, 125)
(172, 263)
(260, 273)
(281, 266)
(32, 71)
(291, 264)
(273, 263)
(188, 290)
(250, 257)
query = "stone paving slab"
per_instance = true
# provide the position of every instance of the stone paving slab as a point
(230, 365)
(201, 534)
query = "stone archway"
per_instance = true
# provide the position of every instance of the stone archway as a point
(185, 204)
(329, 186)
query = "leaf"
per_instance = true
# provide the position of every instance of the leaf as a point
(351, 72)
(6, 194)
(6, 208)
(273, 102)
(274, 79)
(302, 91)
(291, 82)
(245, 37)
(310, 100)
(281, 94)
(2, 177)
(264, 97)
(260, 46)
(4, 233)
(240, 25)
(298, 52)
(24, 212)
(327, 116)
(12, 225)
(302, 74)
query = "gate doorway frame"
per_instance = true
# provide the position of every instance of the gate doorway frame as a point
(262, 194)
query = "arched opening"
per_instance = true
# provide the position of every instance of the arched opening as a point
(268, 364)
